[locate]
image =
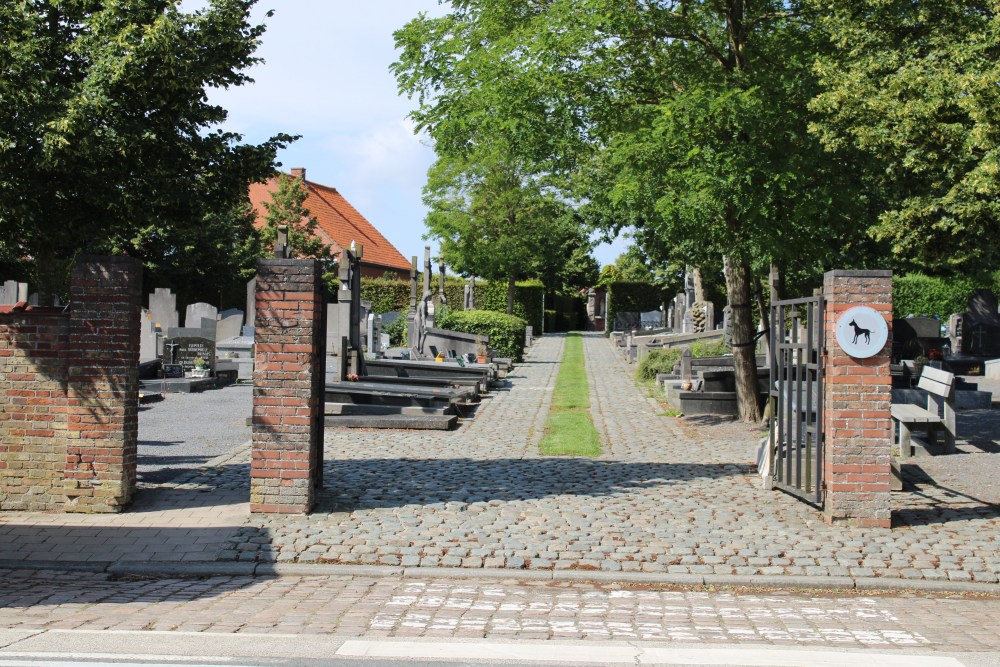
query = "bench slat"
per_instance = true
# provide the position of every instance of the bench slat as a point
(913, 414)
(936, 381)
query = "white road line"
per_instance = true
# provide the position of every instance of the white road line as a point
(613, 655)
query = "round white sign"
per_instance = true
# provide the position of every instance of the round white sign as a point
(862, 332)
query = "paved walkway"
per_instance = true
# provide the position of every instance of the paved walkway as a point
(89, 608)
(672, 498)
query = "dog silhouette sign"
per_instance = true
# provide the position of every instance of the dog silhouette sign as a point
(862, 332)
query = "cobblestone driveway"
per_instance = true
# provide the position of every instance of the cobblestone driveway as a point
(668, 495)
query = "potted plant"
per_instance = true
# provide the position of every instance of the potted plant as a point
(480, 350)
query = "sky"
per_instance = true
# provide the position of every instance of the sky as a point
(326, 77)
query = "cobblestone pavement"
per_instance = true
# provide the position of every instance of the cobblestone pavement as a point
(391, 607)
(668, 495)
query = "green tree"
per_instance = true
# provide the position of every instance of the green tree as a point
(684, 119)
(109, 145)
(916, 85)
(287, 207)
(495, 220)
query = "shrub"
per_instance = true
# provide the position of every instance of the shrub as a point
(917, 294)
(657, 361)
(396, 331)
(506, 332)
(715, 348)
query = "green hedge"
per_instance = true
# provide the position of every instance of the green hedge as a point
(387, 295)
(917, 294)
(634, 298)
(506, 332)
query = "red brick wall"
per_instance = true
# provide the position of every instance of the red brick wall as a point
(69, 394)
(858, 394)
(289, 378)
(33, 432)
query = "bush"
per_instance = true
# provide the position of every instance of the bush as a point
(396, 331)
(715, 348)
(657, 361)
(506, 332)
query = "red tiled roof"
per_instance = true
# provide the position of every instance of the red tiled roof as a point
(339, 223)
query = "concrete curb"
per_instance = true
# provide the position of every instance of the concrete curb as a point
(168, 569)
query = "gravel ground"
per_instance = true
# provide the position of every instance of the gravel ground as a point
(184, 431)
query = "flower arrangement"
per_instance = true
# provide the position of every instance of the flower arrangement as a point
(199, 363)
(934, 354)
(352, 377)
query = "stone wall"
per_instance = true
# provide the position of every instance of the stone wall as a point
(69, 394)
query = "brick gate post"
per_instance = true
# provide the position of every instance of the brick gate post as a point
(102, 398)
(857, 398)
(288, 381)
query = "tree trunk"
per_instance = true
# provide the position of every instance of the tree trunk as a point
(744, 349)
(699, 287)
(511, 293)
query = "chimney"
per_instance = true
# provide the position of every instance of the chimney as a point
(299, 172)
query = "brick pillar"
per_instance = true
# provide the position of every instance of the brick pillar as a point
(288, 392)
(102, 403)
(858, 394)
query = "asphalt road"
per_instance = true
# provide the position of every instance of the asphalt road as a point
(184, 431)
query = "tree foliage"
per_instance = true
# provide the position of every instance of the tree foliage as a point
(916, 85)
(287, 207)
(108, 143)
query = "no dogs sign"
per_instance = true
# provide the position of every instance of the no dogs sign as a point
(862, 332)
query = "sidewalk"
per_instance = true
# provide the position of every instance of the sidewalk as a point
(670, 500)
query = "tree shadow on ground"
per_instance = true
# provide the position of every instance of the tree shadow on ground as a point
(384, 483)
(927, 502)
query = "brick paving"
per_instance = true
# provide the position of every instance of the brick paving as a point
(668, 497)
(392, 607)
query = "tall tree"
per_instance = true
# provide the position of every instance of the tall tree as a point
(107, 140)
(916, 85)
(495, 220)
(686, 119)
(287, 207)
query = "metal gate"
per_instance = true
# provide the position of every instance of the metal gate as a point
(796, 391)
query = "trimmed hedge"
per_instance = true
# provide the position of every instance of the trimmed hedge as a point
(387, 294)
(917, 294)
(506, 332)
(634, 298)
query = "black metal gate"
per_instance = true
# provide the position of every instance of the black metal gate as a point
(796, 392)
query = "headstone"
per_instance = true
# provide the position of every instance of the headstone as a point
(529, 333)
(470, 294)
(163, 309)
(230, 324)
(251, 314)
(197, 312)
(147, 338)
(442, 297)
(189, 348)
(9, 293)
(981, 333)
(679, 313)
(412, 333)
(955, 331)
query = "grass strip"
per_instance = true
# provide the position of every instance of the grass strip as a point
(569, 430)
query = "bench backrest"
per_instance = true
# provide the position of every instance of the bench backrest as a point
(936, 381)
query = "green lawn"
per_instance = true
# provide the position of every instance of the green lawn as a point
(569, 430)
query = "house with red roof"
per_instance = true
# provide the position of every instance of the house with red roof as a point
(339, 225)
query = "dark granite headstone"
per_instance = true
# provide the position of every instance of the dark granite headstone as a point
(982, 325)
(173, 371)
(188, 348)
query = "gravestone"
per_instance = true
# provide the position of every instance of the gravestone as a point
(188, 348)
(11, 292)
(442, 297)
(197, 312)
(412, 335)
(251, 313)
(982, 325)
(149, 338)
(470, 294)
(163, 308)
(230, 324)
(679, 309)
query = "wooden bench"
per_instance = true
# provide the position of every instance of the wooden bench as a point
(939, 385)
